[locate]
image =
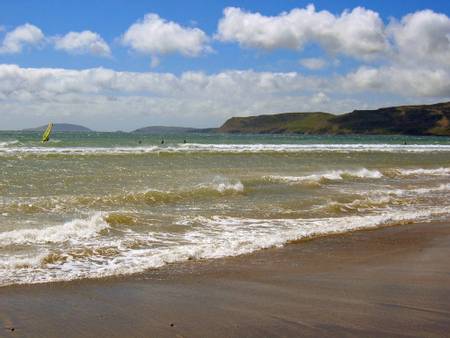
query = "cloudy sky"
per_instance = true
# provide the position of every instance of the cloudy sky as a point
(122, 64)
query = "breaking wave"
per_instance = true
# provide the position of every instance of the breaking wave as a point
(411, 192)
(93, 252)
(219, 187)
(333, 175)
(77, 229)
(422, 172)
(227, 148)
(8, 143)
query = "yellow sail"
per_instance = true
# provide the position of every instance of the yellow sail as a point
(46, 135)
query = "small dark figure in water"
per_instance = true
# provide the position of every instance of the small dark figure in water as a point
(162, 141)
(184, 141)
(140, 141)
(404, 142)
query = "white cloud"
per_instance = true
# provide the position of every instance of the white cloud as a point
(85, 42)
(320, 98)
(423, 36)
(415, 68)
(404, 81)
(313, 63)
(156, 36)
(17, 39)
(358, 33)
(104, 98)
(418, 63)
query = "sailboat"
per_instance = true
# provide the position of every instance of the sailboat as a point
(47, 132)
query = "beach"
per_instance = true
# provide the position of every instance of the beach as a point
(95, 205)
(393, 281)
(118, 235)
(224, 169)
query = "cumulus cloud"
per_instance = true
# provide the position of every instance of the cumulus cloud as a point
(405, 81)
(48, 82)
(104, 98)
(85, 42)
(415, 49)
(415, 68)
(358, 33)
(128, 99)
(15, 40)
(419, 60)
(423, 36)
(313, 63)
(417, 38)
(154, 35)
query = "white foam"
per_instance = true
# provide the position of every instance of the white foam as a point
(223, 185)
(22, 261)
(8, 143)
(413, 191)
(77, 229)
(423, 172)
(228, 148)
(333, 175)
(206, 237)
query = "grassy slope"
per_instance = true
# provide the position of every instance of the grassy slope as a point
(408, 120)
(279, 123)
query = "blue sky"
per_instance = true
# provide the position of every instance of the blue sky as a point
(181, 66)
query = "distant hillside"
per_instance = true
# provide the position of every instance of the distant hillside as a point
(278, 123)
(168, 130)
(61, 127)
(406, 120)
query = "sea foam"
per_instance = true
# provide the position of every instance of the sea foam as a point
(206, 238)
(226, 148)
(75, 230)
(332, 175)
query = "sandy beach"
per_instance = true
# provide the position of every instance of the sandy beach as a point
(224, 169)
(392, 281)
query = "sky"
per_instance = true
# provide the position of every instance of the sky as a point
(121, 65)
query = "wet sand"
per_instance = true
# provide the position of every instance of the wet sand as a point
(387, 282)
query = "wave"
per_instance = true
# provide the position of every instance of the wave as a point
(411, 192)
(333, 175)
(223, 185)
(337, 175)
(91, 253)
(381, 198)
(422, 172)
(363, 204)
(227, 148)
(8, 143)
(245, 235)
(219, 187)
(77, 229)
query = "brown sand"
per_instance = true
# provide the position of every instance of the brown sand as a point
(389, 282)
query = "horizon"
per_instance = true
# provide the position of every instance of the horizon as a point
(194, 127)
(172, 64)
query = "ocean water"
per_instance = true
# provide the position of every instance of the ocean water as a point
(89, 205)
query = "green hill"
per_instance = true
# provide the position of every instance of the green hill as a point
(407, 120)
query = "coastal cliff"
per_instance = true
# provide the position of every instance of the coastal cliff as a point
(404, 120)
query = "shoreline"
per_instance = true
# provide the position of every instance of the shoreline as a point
(388, 281)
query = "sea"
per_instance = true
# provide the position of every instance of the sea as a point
(94, 205)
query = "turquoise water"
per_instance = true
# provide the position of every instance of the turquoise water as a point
(98, 139)
(88, 205)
